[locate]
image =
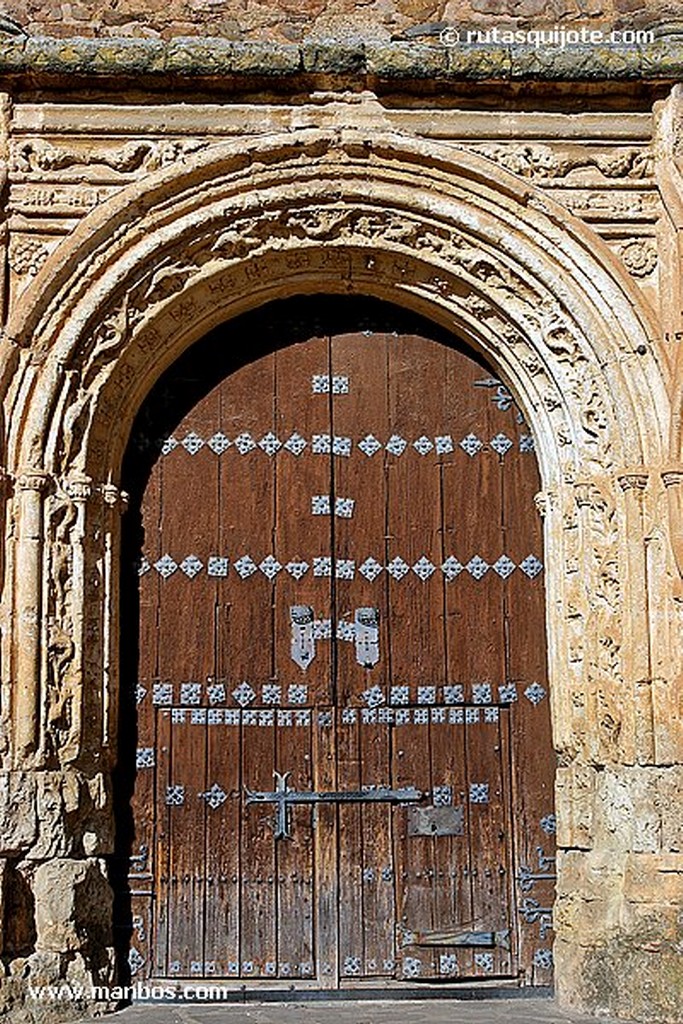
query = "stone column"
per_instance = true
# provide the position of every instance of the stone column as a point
(31, 487)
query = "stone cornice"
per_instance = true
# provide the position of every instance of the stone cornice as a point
(373, 61)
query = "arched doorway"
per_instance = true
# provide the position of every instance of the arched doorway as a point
(344, 762)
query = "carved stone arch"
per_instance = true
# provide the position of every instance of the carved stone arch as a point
(445, 233)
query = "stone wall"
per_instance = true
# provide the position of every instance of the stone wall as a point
(292, 20)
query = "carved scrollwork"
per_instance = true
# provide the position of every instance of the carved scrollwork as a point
(546, 163)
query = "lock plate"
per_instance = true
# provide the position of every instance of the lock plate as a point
(436, 821)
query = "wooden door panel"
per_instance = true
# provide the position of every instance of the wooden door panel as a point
(348, 479)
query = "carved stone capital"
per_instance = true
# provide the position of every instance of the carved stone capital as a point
(635, 481)
(544, 501)
(79, 487)
(114, 498)
(672, 477)
(33, 480)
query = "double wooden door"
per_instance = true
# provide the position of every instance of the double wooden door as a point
(344, 768)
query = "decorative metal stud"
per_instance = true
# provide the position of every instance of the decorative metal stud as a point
(352, 965)
(369, 445)
(162, 693)
(423, 445)
(526, 443)
(174, 967)
(397, 568)
(385, 716)
(231, 716)
(270, 967)
(471, 444)
(165, 566)
(549, 824)
(373, 696)
(216, 692)
(271, 693)
(322, 566)
(320, 384)
(456, 716)
(471, 716)
(346, 630)
(504, 567)
(140, 693)
(437, 715)
(443, 444)
(295, 444)
(481, 693)
(325, 719)
(191, 566)
(448, 963)
(168, 445)
(370, 569)
(368, 874)
(143, 566)
(507, 693)
(192, 443)
(195, 967)
(190, 693)
(400, 695)
(491, 715)
(426, 694)
(135, 960)
(322, 629)
(198, 716)
(248, 967)
(217, 566)
(368, 716)
(297, 694)
(442, 796)
(543, 958)
(341, 446)
(144, 757)
(477, 567)
(421, 716)
(214, 796)
(320, 505)
(214, 716)
(244, 443)
(340, 385)
(345, 569)
(484, 961)
(297, 569)
(387, 874)
(285, 718)
(219, 443)
(412, 967)
(321, 444)
(175, 795)
(451, 568)
(250, 717)
(270, 567)
(302, 717)
(535, 693)
(396, 445)
(243, 694)
(389, 966)
(402, 716)
(454, 694)
(270, 444)
(178, 716)
(233, 968)
(424, 568)
(479, 792)
(245, 567)
(500, 444)
(349, 716)
(531, 566)
(343, 507)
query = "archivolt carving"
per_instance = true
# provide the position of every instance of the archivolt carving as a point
(162, 262)
(28, 157)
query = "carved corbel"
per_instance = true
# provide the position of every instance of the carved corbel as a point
(673, 482)
(633, 481)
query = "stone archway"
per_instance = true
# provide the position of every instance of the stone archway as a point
(443, 233)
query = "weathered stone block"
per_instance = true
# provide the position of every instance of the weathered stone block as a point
(18, 821)
(73, 905)
(654, 878)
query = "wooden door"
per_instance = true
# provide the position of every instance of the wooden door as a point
(344, 770)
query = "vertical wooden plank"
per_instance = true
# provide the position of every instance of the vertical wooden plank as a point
(189, 520)
(326, 840)
(246, 646)
(351, 906)
(164, 891)
(532, 748)
(143, 802)
(358, 417)
(416, 382)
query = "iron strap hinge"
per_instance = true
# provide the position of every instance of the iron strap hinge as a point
(283, 798)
